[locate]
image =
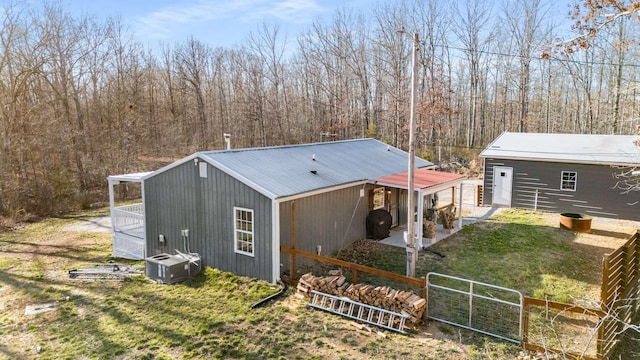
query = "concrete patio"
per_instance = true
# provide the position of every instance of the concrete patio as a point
(471, 214)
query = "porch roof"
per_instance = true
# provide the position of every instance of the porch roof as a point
(424, 179)
(135, 177)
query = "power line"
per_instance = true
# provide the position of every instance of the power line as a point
(550, 58)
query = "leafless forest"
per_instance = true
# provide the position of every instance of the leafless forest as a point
(80, 98)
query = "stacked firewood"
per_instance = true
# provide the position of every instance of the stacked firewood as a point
(429, 229)
(384, 297)
(448, 218)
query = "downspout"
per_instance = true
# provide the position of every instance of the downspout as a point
(272, 296)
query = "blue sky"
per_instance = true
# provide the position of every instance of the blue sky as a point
(216, 22)
(227, 23)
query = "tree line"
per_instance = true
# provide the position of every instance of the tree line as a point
(81, 99)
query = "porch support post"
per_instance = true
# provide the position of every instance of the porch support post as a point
(460, 208)
(418, 232)
(112, 207)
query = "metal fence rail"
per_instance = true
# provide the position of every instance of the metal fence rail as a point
(484, 308)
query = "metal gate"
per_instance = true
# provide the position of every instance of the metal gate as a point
(484, 308)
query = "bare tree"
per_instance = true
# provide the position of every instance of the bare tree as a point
(391, 80)
(524, 18)
(20, 63)
(192, 63)
(472, 31)
(269, 49)
(433, 20)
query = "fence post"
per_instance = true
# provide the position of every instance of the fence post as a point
(525, 321)
(636, 251)
(423, 290)
(292, 257)
(601, 340)
(470, 304)
(479, 195)
(604, 290)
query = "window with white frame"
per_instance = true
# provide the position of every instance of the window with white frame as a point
(569, 181)
(243, 230)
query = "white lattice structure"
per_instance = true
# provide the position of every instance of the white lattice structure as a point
(127, 222)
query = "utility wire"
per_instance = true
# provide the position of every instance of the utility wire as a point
(550, 58)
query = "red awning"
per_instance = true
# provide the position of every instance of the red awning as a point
(423, 179)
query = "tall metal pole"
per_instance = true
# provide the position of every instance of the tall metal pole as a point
(412, 252)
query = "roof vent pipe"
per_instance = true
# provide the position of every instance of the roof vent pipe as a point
(227, 141)
(313, 157)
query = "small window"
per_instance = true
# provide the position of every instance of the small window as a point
(378, 198)
(569, 181)
(243, 233)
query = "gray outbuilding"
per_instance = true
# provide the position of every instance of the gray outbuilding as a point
(588, 174)
(237, 207)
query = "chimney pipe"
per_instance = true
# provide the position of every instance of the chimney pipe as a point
(227, 141)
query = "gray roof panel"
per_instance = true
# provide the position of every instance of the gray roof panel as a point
(570, 148)
(289, 170)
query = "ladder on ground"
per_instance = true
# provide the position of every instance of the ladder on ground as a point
(105, 272)
(358, 311)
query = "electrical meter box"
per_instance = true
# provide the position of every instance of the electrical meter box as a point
(169, 269)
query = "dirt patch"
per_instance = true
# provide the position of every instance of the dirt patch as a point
(99, 224)
(606, 234)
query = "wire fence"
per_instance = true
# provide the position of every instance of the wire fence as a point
(484, 308)
(539, 325)
(561, 328)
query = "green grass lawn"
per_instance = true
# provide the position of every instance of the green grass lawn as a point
(514, 249)
(209, 316)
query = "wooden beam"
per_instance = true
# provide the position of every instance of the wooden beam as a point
(292, 257)
(420, 282)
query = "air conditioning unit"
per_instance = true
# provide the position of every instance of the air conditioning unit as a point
(169, 269)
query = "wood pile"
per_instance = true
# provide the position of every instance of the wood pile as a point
(448, 218)
(384, 297)
(429, 229)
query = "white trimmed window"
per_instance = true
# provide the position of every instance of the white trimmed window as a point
(243, 230)
(569, 181)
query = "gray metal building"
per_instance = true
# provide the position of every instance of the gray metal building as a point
(237, 207)
(588, 174)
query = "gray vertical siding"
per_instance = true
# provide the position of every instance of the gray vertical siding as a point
(326, 220)
(333, 220)
(180, 199)
(596, 193)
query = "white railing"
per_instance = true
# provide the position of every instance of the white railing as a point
(128, 247)
(133, 208)
(129, 219)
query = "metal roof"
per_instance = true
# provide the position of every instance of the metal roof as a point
(135, 177)
(281, 171)
(424, 179)
(571, 148)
